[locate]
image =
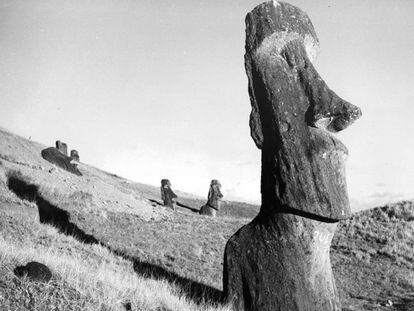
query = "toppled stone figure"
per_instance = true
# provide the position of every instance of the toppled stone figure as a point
(56, 157)
(74, 155)
(213, 199)
(167, 195)
(279, 261)
(34, 271)
(62, 147)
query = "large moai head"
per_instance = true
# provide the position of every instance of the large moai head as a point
(294, 114)
(74, 155)
(62, 147)
(165, 182)
(214, 193)
(215, 184)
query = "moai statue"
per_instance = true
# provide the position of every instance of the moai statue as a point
(280, 261)
(53, 155)
(62, 147)
(213, 199)
(74, 155)
(167, 195)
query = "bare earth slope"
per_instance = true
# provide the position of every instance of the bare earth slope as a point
(100, 224)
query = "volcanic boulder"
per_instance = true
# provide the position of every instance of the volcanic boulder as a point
(280, 261)
(35, 271)
(54, 156)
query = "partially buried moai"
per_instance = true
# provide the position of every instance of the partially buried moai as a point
(167, 195)
(213, 199)
(280, 261)
(62, 147)
(74, 155)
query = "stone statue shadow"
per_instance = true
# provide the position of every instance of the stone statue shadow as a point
(51, 214)
(197, 292)
(194, 210)
(48, 213)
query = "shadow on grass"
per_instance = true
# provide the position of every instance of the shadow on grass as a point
(51, 214)
(194, 210)
(198, 292)
(155, 202)
(48, 213)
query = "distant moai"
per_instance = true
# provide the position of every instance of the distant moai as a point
(167, 195)
(53, 155)
(62, 147)
(280, 260)
(213, 199)
(74, 155)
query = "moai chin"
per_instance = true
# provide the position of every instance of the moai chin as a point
(280, 261)
(213, 199)
(167, 195)
(62, 147)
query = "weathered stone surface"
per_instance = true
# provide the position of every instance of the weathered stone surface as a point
(35, 271)
(293, 113)
(54, 156)
(62, 147)
(213, 199)
(74, 155)
(280, 261)
(167, 195)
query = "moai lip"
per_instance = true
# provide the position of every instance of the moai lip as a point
(294, 114)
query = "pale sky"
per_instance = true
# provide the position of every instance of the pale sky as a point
(157, 89)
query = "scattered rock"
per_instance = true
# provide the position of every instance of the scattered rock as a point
(167, 195)
(280, 261)
(213, 199)
(35, 271)
(54, 156)
(128, 306)
(62, 147)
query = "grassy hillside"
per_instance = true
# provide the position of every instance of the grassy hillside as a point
(112, 247)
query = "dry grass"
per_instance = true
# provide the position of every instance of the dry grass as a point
(166, 260)
(85, 278)
(373, 257)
